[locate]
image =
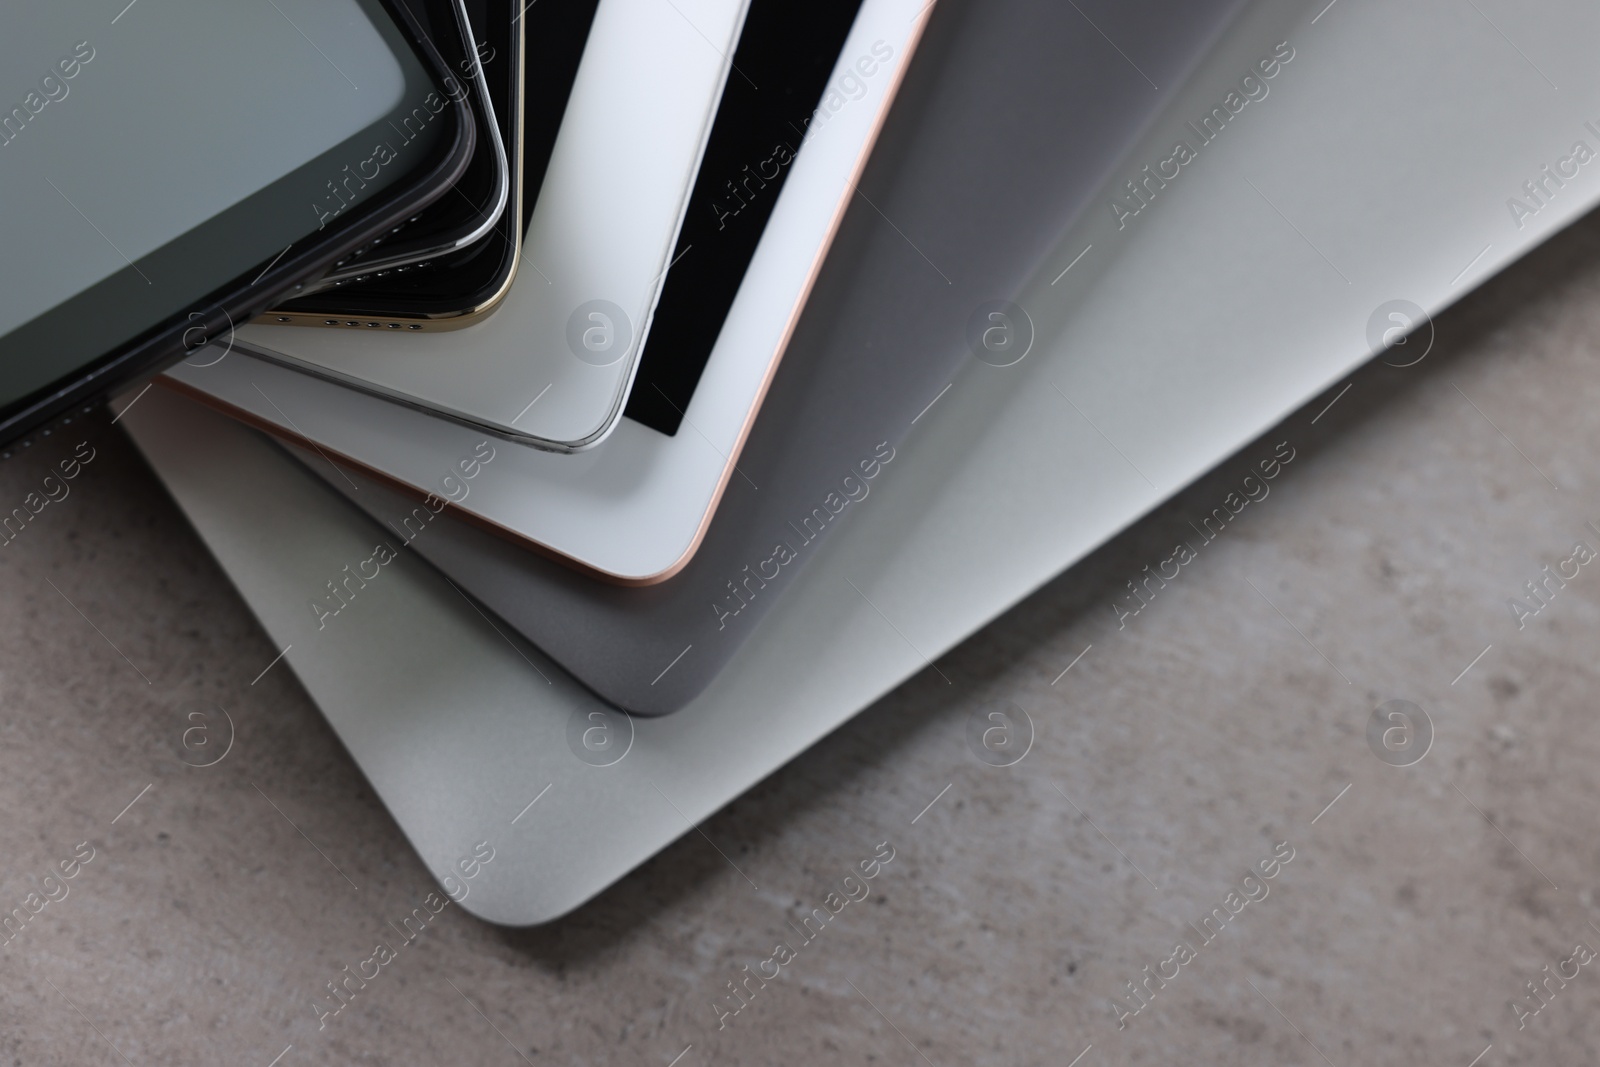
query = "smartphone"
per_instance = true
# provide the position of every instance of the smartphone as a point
(477, 201)
(528, 60)
(149, 204)
(422, 285)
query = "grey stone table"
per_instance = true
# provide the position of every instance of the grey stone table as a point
(1027, 912)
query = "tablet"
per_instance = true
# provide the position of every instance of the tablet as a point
(157, 189)
(634, 510)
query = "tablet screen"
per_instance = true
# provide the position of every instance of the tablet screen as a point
(768, 110)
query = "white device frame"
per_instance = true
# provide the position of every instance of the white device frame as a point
(635, 509)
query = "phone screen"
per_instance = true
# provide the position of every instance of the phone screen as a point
(151, 153)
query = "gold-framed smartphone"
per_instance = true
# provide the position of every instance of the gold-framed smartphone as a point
(464, 284)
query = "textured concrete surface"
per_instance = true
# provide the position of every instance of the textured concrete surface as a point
(1227, 720)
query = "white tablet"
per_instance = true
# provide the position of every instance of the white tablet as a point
(634, 509)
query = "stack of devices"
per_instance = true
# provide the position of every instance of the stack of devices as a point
(559, 252)
(576, 422)
(594, 429)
